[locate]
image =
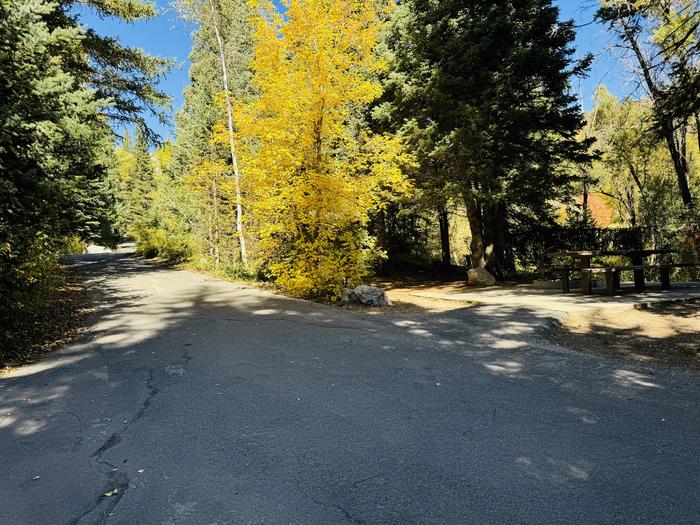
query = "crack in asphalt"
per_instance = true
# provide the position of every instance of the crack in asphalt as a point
(369, 478)
(117, 482)
(70, 413)
(116, 437)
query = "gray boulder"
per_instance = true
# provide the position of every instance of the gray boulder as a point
(480, 277)
(365, 295)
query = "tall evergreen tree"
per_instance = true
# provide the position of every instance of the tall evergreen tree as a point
(483, 90)
(61, 86)
(125, 76)
(51, 137)
(140, 184)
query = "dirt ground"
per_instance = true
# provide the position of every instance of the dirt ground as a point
(666, 335)
(404, 292)
(62, 320)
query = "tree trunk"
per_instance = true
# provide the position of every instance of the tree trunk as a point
(495, 238)
(504, 248)
(445, 236)
(382, 241)
(232, 145)
(215, 215)
(477, 245)
(680, 164)
(631, 208)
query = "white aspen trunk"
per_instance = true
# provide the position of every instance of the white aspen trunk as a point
(231, 143)
(215, 214)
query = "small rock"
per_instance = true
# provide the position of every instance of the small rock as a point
(365, 295)
(480, 277)
(94, 248)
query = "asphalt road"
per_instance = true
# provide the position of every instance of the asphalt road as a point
(193, 400)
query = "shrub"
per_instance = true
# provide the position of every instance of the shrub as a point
(28, 273)
(235, 270)
(72, 245)
(157, 242)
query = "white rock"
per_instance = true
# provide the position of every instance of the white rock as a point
(94, 248)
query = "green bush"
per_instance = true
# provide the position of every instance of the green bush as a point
(28, 274)
(235, 270)
(156, 242)
(72, 245)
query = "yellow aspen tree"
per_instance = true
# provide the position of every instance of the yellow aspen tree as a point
(314, 170)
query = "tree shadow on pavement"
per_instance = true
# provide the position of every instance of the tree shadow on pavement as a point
(325, 413)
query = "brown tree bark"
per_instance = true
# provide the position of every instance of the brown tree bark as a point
(477, 245)
(499, 259)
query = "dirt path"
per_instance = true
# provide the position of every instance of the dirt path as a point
(667, 335)
(406, 293)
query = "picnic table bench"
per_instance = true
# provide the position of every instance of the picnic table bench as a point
(612, 272)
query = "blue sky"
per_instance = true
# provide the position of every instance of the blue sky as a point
(169, 36)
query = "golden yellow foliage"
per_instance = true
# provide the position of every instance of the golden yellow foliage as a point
(313, 171)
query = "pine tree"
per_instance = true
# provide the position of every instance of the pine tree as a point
(125, 76)
(136, 182)
(483, 90)
(51, 138)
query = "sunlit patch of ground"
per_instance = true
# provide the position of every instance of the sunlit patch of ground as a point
(403, 290)
(407, 304)
(406, 293)
(666, 335)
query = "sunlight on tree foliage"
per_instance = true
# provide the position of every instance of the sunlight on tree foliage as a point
(314, 169)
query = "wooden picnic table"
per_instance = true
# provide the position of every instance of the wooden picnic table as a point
(636, 257)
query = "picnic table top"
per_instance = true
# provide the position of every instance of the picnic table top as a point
(584, 254)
